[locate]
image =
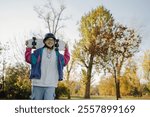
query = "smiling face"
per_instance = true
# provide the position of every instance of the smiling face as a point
(50, 42)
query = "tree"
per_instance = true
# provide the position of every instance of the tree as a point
(106, 44)
(146, 65)
(146, 89)
(85, 51)
(75, 87)
(51, 16)
(17, 83)
(4, 57)
(0, 48)
(83, 81)
(146, 72)
(1, 79)
(68, 70)
(95, 90)
(123, 43)
(130, 83)
(107, 86)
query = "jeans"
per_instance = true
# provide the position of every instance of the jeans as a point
(43, 93)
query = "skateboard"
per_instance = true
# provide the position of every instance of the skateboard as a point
(38, 43)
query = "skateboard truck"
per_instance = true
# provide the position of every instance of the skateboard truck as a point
(34, 43)
(57, 44)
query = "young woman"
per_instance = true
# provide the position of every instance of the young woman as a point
(46, 68)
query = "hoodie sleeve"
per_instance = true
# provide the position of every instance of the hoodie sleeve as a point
(66, 56)
(28, 55)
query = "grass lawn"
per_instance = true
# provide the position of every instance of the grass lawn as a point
(108, 98)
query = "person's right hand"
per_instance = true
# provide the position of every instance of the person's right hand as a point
(66, 46)
(26, 43)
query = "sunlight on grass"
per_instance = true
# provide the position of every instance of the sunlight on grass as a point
(107, 98)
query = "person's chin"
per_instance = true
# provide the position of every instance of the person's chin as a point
(50, 47)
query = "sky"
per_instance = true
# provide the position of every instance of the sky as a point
(18, 20)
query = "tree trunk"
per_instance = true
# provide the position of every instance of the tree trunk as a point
(116, 84)
(118, 78)
(68, 95)
(87, 88)
(88, 82)
(119, 95)
(118, 75)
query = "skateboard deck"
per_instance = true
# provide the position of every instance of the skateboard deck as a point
(38, 43)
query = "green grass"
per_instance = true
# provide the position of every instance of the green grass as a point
(136, 98)
(107, 98)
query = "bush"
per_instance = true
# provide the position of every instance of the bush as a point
(17, 83)
(146, 89)
(2, 94)
(135, 92)
(61, 90)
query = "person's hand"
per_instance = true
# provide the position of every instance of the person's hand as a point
(66, 46)
(26, 43)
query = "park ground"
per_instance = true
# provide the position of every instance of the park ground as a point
(108, 98)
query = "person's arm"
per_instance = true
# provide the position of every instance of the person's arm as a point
(66, 54)
(28, 54)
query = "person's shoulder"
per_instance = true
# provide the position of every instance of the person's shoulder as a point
(58, 53)
(39, 49)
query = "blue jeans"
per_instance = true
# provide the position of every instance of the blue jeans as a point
(43, 93)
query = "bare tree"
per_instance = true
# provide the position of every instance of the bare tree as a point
(4, 58)
(18, 49)
(51, 16)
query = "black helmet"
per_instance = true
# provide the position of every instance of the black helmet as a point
(49, 35)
